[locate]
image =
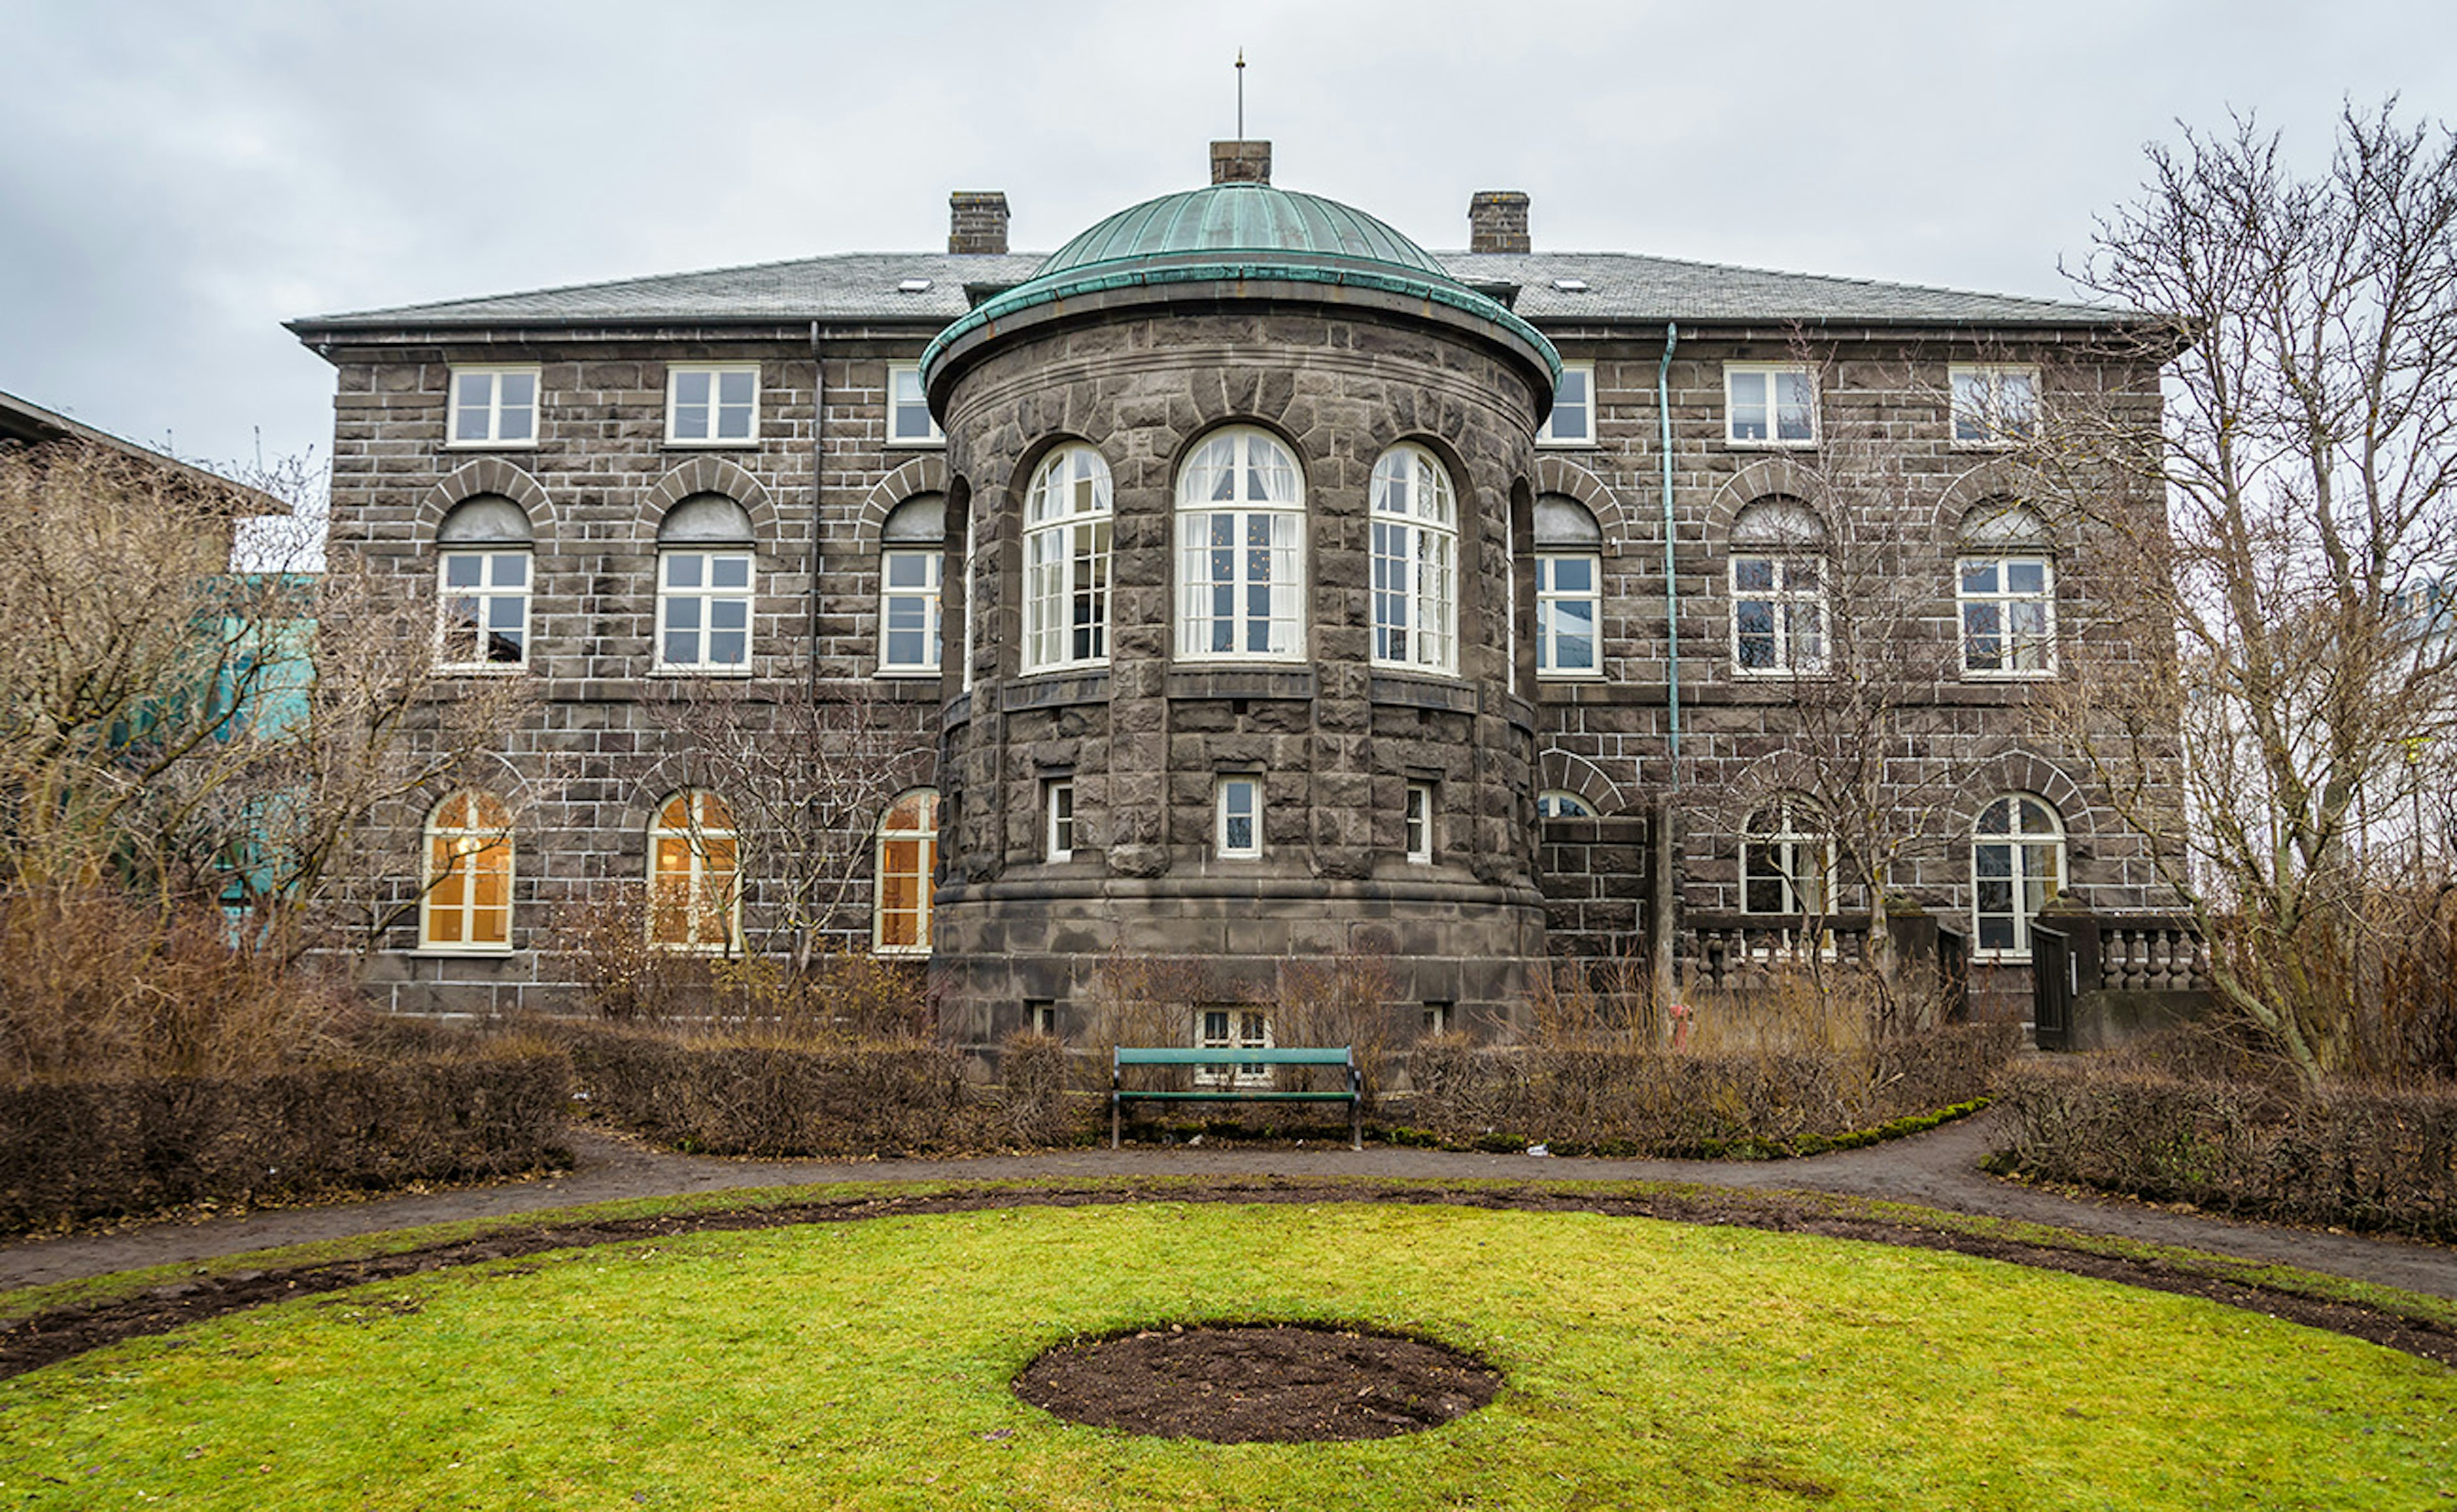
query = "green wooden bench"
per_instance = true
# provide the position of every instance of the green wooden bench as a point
(1250, 1057)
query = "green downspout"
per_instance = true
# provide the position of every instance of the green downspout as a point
(1671, 582)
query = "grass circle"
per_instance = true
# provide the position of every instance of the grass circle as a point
(868, 1364)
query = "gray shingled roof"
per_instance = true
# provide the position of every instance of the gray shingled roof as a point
(863, 286)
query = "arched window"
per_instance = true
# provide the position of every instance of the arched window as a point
(2006, 583)
(1569, 589)
(908, 858)
(1416, 563)
(1067, 517)
(1241, 549)
(1557, 804)
(704, 586)
(913, 552)
(1778, 588)
(1786, 860)
(467, 900)
(482, 560)
(695, 882)
(2018, 864)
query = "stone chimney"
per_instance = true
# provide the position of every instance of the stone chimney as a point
(1496, 221)
(1241, 163)
(976, 221)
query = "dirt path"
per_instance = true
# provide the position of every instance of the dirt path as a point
(1937, 1169)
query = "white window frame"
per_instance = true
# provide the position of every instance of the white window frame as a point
(1225, 814)
(706, 818)
(1558, 803)
(1068, 515)
(467, 838)
(1786, 602)
(1058, 818)
(494, 408)
(1232, 1026)
(483, 594)
(898, 375)
(926, 836)
(1549, 597)
(717, 403)
(1991, 424)
(1416, 822)
(1773, 439)
(1415, 537)
(2035, 859)
(926, 599)
(707, 596)
(1582, 375)
(1251, 462)
(2035, 643)
(1798, 859)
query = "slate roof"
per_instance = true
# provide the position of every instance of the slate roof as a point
(1622, 287)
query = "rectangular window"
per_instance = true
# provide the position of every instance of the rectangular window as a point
(1769, 406)
(712, 406)
(1573, 421)
(1238, 835)
(483, 610)
(704, 611)
(1569, 603)
(1238, 583)
(1041, 1017)
(908, 409)
(1420, 824)
(2009, 617)
(1232, 1028)
(1437, 1018)
(1994, 406)
(1058, 805)
(494, 407)
(1778, 614)
(908, 613)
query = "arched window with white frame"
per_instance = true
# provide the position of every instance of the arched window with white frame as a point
(2004, 586)
(1777, 586)
(1786, 859)
(1569, 589)
(706, 568)
(911, 555)
(2018, 864)
(1066, 523)
(1415, 562)
(694, 874)
(466, 901)
(485, 556)
(1241, 549)
(907, 862)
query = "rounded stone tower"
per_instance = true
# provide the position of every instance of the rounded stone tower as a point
(1239, 514)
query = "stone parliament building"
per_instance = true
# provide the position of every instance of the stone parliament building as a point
(1245, 583)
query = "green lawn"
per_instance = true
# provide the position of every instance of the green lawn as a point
(866, 1364)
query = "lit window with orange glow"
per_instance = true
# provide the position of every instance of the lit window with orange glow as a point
(467, 903)
(694, 876)
(908, 859)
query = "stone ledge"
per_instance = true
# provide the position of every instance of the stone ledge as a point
(1054, 691)
(1242, 682)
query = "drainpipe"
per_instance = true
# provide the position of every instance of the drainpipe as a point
(1664, 928)
(818, 472)
(1671, 582)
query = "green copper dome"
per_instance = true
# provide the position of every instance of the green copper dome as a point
(1243, 217)
(1236, 235)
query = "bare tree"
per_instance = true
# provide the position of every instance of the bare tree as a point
(2306, 466)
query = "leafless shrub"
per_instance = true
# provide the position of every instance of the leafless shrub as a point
(1032, 1098)
(1144, 1000)
(726, 1094)
(1341, 1000)
(1607, 1003)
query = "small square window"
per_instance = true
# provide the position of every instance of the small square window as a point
(1420, 824)
(1437, 1018)
(1058, 804)
(1238, 834)
(1573, 421)
(712, 406)
(1768, 405)
(1041, 1017)
(1232, 1028)
(908, 409)
(1994, 406)
(494, 407)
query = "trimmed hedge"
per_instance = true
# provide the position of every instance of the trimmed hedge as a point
(2353, 1157)
(755, 1098)
(73, 1151)
(1659, 1103)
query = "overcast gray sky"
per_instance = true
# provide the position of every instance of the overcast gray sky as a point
(180, 177)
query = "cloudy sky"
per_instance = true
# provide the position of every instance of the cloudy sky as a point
(182, 176)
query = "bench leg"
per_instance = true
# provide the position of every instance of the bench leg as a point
(1113, 1120)
(1357, 1122)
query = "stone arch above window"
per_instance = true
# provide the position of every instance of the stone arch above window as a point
(486, 477)
(1563, 476)
(706, 519)
(487, 519)
(713, 475)
(920, 475)
(1779, 521)
(1563, 524)
(1567, 772)
(919, 520)
(1769, 477)
(2003, 525)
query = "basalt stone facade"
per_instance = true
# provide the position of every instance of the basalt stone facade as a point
(1674, 486)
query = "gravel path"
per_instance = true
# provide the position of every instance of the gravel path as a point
(1937, 1169)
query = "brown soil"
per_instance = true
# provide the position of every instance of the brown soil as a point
(32, 1342)
(1259, 1382)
